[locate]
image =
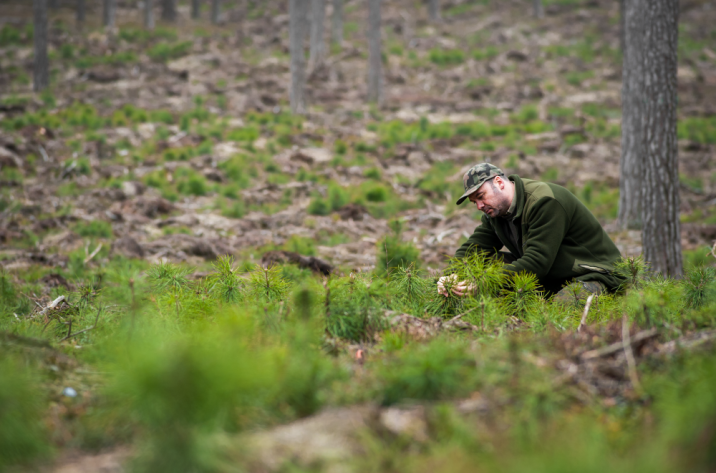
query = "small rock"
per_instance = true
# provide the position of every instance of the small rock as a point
(133, 188)
(580, 150)
(69, 392)
(517, 56)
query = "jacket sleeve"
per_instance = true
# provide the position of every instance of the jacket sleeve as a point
(546, 229)
(483, 238)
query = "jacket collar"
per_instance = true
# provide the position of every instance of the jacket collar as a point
(519, 195)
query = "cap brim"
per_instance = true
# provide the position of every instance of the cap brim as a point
(467, 193)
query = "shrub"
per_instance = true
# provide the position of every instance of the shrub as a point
(95, 228)
(318, 206)
(446, 57)
(376, 193)
(163, 52)
(337, 196)
(195, 185)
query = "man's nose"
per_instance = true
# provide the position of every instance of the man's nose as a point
(480, 205)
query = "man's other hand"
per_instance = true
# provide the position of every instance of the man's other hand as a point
(461, 288)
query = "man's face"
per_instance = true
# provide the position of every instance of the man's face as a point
(491, 198)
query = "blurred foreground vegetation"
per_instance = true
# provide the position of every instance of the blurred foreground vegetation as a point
(180, 365)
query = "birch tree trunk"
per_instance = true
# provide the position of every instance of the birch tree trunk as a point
(318, 14)
(149, 14)
(298, 14)
(631, 159)
(108, 12)
(41, 77)
(375, 86)
(169, 10)
(661, 237)
(537, 9)
(337, 26)
(215, 11)
(434, 10)
(195, 9)
(81, 12)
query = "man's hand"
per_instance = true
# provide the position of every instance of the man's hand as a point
(461, 288)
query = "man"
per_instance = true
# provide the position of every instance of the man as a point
(546, 229)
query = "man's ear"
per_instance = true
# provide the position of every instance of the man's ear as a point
(500, 183)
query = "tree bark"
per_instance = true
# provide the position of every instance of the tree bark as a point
(195, 9)
(149, 14)
(108, 12)
(169, 10)
(375, 79)
(298, 14)
(622, 25)
(215, 11)
(661, 237)
(81, 12)
(434, 10)
(318, 14)
(537, 9)
(337, 26)
(41, 75)
(630, 179)
(53, 4)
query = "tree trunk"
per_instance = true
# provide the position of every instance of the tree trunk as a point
(298, 12)
(622, 25)
(53, 4)
(41, 77)
(215, 11)
(195, 9)
(81, 12)
(318, 14)
(537, 9)
(631, 159)
(337, 29)
(169, 10)
(108, 12)
(375, 93)
(149, 14)
(661, 238)
(434, 10)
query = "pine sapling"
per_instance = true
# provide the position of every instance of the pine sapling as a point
(168, 277)
(225, 283)
(699, 286)
(266, 284)
(523, 296)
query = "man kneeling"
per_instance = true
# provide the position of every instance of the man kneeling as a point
(546, 229)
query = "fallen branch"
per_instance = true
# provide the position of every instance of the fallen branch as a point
(631, 362)
(586, 311)
(616, 346)
(71, 335)
(54, 304)
(93, 254)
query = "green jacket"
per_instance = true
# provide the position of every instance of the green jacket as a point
(561, 239)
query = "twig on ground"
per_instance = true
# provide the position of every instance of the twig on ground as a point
(631, 362)
(93, 254)
(583, 322)
(713, 250)
(54, 304)
(71, 335)
(616, 346)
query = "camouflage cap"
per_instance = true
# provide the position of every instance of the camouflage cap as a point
(477, 176)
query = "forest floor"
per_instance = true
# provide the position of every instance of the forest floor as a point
(178, 145)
